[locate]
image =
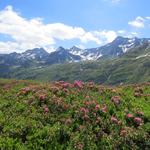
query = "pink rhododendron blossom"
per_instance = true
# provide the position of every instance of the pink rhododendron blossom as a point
(123, 132)
(94, 114)
(78, 84)
(46, 110)
(66, 85)
(84, 110)
(104, 108)
(138, 120)
(97, 107)
(114, 119)
(42, 97)
(129, 116)
(25, 90)
(116, 100)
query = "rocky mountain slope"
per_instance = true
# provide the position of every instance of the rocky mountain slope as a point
(110, 64)
(39, 56)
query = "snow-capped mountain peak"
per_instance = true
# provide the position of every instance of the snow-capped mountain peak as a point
(34, 53)
(76, 51)
(116, 48)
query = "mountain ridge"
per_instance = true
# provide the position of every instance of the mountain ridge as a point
(38, 56)
(132, 66)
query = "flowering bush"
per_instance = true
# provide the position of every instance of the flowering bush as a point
(78, 84)
(138, 120)
(80, 116)
(116, 100)
(114, 120)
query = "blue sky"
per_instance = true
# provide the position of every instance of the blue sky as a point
(85, 23)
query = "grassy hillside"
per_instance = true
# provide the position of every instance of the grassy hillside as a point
(80, 116)
(115, 71)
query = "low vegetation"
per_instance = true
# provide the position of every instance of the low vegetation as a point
(67, 116)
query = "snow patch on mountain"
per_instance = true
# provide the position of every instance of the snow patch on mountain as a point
(130, 44)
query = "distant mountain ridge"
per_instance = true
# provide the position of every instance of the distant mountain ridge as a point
(39, 56)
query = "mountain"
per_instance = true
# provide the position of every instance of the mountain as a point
(29, 57)
(62, 55)
(124, 60)
(131, 67)
(35, 54)
(116, 48)
(38, 56)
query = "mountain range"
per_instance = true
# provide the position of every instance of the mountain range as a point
(122, 53)
(38, 55)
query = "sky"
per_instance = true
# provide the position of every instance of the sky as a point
(27, 24)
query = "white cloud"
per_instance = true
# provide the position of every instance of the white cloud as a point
(147, 17)
(31, 33)
(6, 46)
(125, 33)
(106, 36)
(121, 31)
(91, 36)
(138, 22)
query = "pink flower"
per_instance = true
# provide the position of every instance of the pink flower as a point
(66, 85)
(114, 120)
(129, 116)
(138, 120)
(46, 110)
(94, 114)
(78, 84)
(116, 100)
(123, 132)
(97, 107)
(91, 83)
(104, 108)
(42, 97)
(25, 90)
(84, 110)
